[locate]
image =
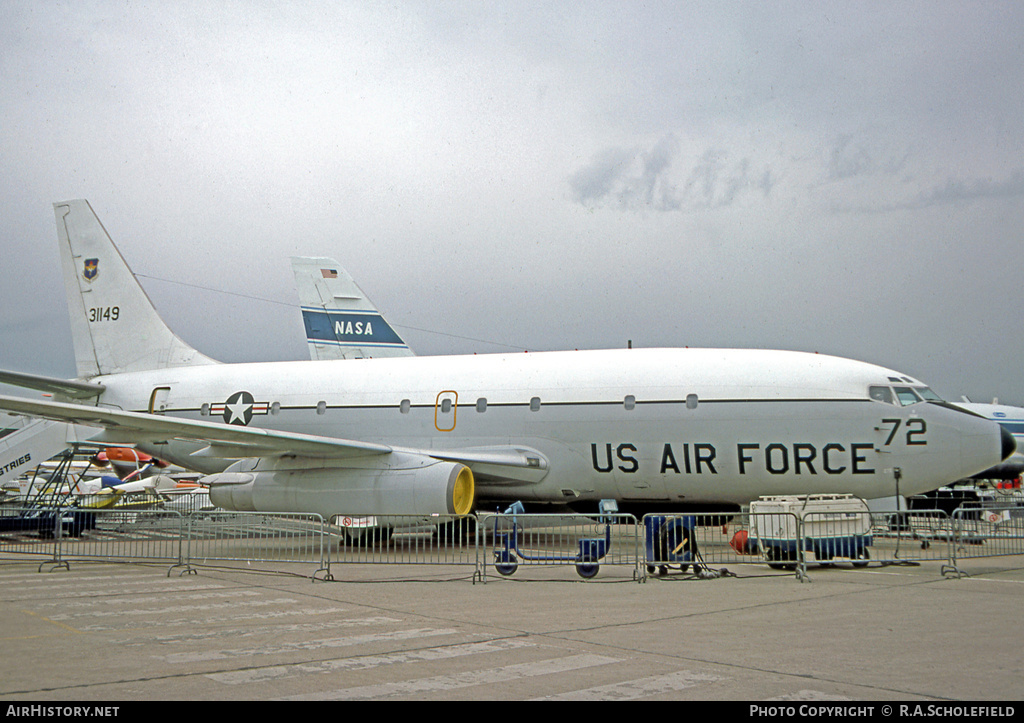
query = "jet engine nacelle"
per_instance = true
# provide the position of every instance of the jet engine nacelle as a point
(390, 485)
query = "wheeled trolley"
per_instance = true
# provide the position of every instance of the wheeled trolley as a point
(508, 551)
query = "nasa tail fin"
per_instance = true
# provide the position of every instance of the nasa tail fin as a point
(340, 321)
(114, 326)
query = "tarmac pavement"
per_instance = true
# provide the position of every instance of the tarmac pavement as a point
(132, 632)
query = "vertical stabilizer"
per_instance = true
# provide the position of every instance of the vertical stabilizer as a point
(340, 321)
(114, 326)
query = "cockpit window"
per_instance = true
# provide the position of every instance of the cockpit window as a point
(881, 394)
(907, 396)
(928, 394)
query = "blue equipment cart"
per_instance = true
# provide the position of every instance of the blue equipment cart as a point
(670, 540)
(508, 553)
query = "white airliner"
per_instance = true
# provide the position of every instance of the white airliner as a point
(651, 428)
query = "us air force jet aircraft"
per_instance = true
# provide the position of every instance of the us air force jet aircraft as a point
(651, 428)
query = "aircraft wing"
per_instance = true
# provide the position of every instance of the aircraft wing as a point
(224, 440)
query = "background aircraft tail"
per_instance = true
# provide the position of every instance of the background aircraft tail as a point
(340, 321)
(114, 326)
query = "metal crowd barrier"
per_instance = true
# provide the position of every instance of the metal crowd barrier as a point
(403, 540)
(702, 545)
(73, 533)
(910, 537)
(222, 536)
(986, 532)
(699, 544)
(509, 541)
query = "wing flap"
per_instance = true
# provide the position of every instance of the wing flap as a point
(508, 464)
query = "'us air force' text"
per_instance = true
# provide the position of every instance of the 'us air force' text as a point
(751, 458)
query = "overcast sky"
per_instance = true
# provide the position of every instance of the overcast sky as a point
(837, 177)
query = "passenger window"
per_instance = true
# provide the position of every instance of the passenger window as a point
(446, 406)
(881, 394)
(405, 406)
(629, 402)
(481, 405)
(535, 404)
(907, 396)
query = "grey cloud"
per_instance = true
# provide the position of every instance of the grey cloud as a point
(952, 192)
(635, 180)
(956, 191)
(862, 154)
(597, 180)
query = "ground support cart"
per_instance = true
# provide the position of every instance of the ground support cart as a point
(670, 540)
(508, 552)
(828, 525)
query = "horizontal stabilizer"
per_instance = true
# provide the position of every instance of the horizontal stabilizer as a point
(52, 385)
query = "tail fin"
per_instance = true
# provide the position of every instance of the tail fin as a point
(114, 326)
(341, 322)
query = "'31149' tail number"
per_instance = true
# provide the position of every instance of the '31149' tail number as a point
(105, 313)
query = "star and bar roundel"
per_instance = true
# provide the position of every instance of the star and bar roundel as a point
(239, 408)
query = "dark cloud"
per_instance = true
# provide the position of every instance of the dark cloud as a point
(546, 175)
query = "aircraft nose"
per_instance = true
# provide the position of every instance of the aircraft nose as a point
(1009, 443)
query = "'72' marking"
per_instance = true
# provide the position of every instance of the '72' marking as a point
(915, 431)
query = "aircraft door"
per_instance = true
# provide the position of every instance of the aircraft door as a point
(158, 400)
(445, 410)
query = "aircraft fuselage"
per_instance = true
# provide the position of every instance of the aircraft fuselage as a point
(646, 425)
